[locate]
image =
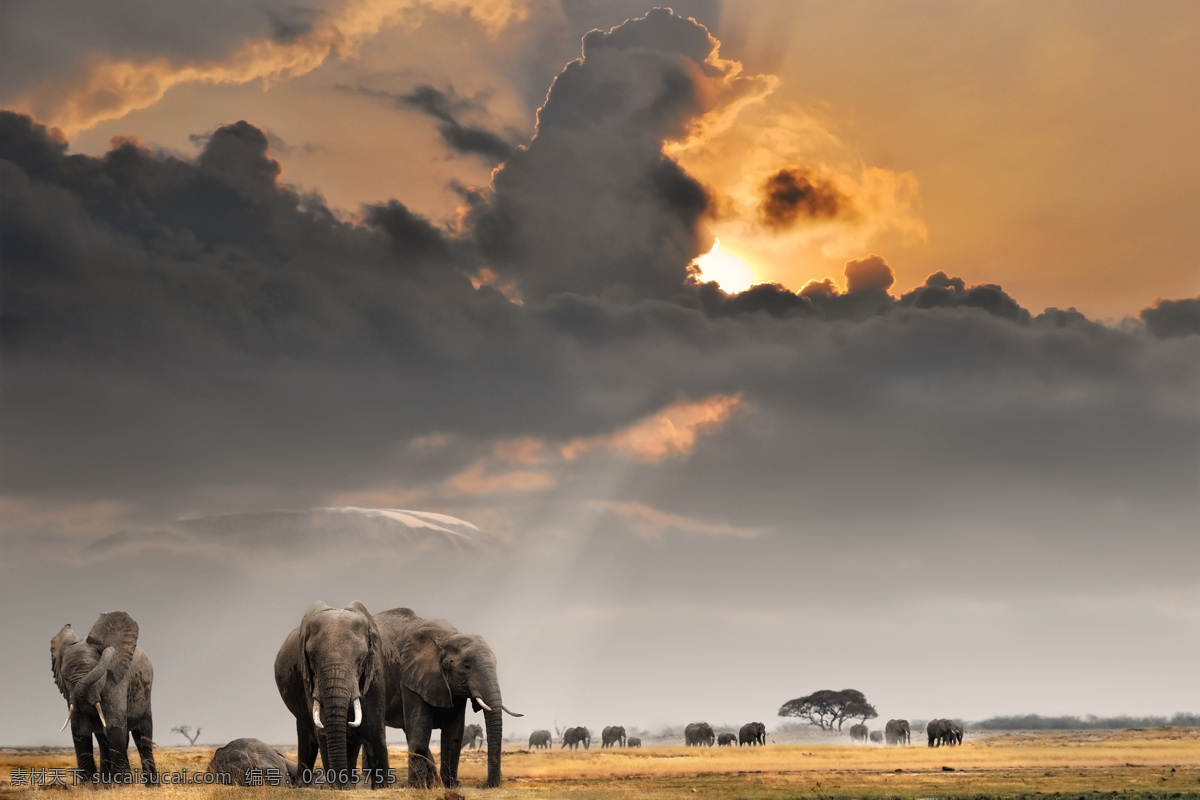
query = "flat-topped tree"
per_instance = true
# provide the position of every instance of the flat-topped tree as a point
(828, 707)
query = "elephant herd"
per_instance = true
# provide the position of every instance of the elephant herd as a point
(896, 732)
(343, 673)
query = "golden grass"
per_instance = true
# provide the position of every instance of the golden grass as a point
(1150, 763)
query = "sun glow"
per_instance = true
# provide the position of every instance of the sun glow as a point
(730, 272)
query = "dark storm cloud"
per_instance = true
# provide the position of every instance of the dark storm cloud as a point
(175, 331)
(591, 204)
(792, 195)
(1168, 318)
(446, 107)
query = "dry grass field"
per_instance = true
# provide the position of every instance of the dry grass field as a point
(1162, 762)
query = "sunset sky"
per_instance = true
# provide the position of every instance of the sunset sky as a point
(269, 268)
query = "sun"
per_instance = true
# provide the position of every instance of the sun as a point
(730, 272)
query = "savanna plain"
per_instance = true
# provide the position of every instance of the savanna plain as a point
(1139, 763)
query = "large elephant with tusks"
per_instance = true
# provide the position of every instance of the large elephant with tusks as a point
(432, 672)
(943, 732)
(896, 732)
(330, 675)
(106, 680)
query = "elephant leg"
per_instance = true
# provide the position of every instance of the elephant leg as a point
(375, 757)
(306, 750)
(353, 746)
(417, 727)
(85, 755)
(115, 760)
(451, 750)
(143, 739)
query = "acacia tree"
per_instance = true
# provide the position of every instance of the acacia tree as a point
(186, 732)
(828, 707)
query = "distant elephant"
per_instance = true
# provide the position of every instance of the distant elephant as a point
(240, 755)
(858, 733)
(573, 737)
(896, 732)
(612, 735)
(539, 739)
(330, 674)
(431, 671)
(877, 737)
(633, 741)
(943, 732)
(726, 739)
(699, 734)
(106, 680)
(752, 733)
(472, 736)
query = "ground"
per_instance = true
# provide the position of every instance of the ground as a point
(1160, 762)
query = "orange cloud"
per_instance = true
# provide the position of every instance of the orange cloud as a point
(520, 451)
(476, 479)
(650, 523)
(113, 87)
(670, 433)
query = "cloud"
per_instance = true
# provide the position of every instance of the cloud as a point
(1171, 318)
(870, 274)
(790, 195)
(651, 523)
(670, 433)
(446, 106)
(592, 204)
(114, 87)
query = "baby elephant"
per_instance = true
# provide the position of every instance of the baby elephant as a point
(633, 741)
(726, 739)
(877, 737)
(240, 756)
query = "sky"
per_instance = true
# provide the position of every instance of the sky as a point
(422, 305)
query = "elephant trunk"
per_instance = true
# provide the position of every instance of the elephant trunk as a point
(87, 692)
(337, 691)
(495, 738)
(487, 689)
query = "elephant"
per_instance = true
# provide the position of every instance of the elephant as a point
(241, 755)
(943, 732)
(896, 732)
(612, 735)
(726, 739)
(330, 674)
(752, 733)
(858, 733)
(877, 737)
(699, 734)
(431, 671)
(539, 739)
(633, 741)
(573, 737)
(472, 735)
(106, 680)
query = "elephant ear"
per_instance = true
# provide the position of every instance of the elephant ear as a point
(117, 630)
(58, 645)
(306, 624)
(420, 656)
(373, 667)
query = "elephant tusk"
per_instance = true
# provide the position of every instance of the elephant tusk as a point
(483, 705)
(354, 723)
(100, 711)
(511, 713)
(70, 711)
(317, 713)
